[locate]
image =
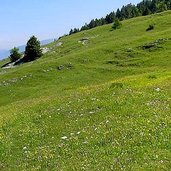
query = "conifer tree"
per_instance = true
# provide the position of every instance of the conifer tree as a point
(14, 54)
(33, 49)
(117, 24)
(71, 32)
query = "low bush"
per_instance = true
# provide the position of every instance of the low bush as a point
(117, 85)
(117, 24)
(150, 27)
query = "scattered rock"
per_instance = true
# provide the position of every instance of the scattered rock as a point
(47, 70)
(8, 65)
(64, 138)
(59, 44)
(129, 50)
(149, 46)
(45, 50)
(14, 80)
(67, 66)
(13, 64)
(154, 45)
(157, 89)
(60, 67)
(24, 148)
(83, 41)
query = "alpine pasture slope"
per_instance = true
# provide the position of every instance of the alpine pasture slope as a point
(99, 104)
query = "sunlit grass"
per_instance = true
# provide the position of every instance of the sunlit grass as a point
(108, 108)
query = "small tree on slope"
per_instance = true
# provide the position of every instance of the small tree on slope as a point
(117, 24)
(15, 54)
(33, 49)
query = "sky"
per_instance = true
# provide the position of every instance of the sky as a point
(20, 19)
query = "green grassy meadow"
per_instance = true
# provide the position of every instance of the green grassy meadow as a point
(107, 108)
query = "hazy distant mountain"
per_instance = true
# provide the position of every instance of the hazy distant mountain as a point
(44, 42)
(5, 52)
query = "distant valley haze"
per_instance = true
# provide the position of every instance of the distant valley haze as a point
(4, 53)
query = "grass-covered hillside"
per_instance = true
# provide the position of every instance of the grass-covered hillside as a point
(98, 100)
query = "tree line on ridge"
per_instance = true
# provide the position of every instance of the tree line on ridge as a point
(146, 7)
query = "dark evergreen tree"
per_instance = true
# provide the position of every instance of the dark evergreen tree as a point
(162, 7)
(146, 12)
(97, 22)
(131, 11)
(110, 18)
(15, 54)
(75, 30)
(123, 13)
(128, 11)
(118, 14)
(71, 32)
(103, 21)
(153, 6)
(92, 24)
(141, 7)
(85, 27)
(168, 4)
(135, 12)
(33, 49)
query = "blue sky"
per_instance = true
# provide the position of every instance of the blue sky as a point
(46, 19)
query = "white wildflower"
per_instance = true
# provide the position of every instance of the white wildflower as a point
(24, 148)
(64, 137)
(157, 89)
(85, 142)
(93, 99)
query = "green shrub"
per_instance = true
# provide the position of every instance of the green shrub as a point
(150, 27)
(117, 24)
(15, 54)
(117, 85)
(152, 77)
